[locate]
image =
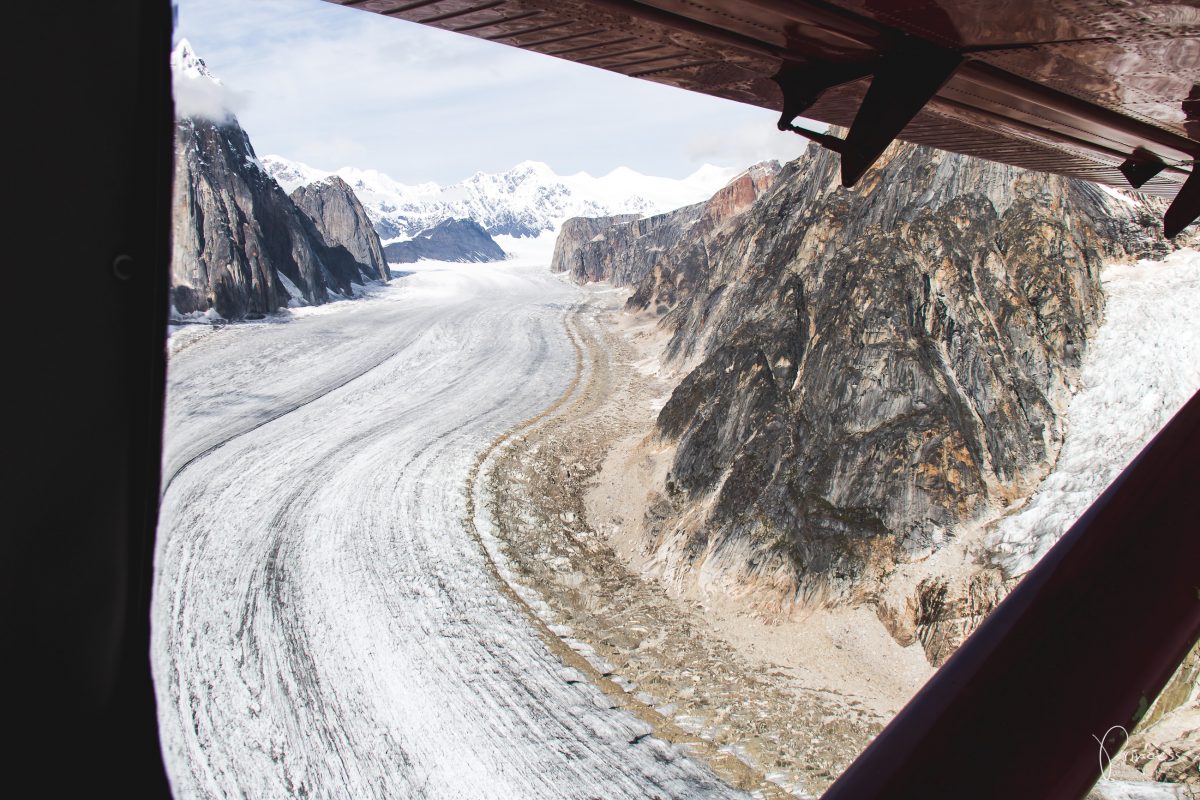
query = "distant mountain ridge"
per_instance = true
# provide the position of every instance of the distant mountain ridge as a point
(451, 240)
(526, 200)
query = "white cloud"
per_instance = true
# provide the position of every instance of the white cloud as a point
(201, 97)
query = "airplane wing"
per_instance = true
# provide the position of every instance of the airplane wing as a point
(1103, 90)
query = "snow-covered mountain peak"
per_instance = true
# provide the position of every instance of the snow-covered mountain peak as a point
(198, 92)
(186, 64)
(623, 174)
(532, 169)
(293, 174)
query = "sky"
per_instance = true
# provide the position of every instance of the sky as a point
(333, 87)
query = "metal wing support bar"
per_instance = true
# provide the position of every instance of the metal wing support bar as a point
(972, 78)
(909, 73)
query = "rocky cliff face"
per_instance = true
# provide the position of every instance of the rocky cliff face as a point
(575, 233)
(624, 249)
(451, 240)
(872, 372)
(241, 246)
(337, 213)
(235, 231)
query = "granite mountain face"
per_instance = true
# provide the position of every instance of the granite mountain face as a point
(241, 245)
(868, 373)
(337, 213)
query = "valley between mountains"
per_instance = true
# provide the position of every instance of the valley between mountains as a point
(325, 623)
(400, 557)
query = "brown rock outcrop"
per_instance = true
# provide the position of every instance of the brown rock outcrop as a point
(624, 249)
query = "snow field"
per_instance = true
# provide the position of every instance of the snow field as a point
(323, 626)
(1140, 369)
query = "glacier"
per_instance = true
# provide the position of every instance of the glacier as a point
(323, 624)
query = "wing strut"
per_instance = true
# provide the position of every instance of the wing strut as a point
(1186, 207)
(1141, 167)
(902, 83)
